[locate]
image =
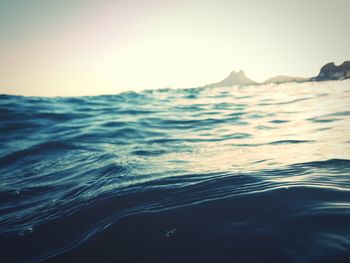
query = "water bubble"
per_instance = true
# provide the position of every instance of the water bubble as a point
(170, 232)
(26, 232)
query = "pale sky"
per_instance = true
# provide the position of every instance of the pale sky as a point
(83, 47)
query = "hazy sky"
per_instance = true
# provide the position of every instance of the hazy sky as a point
(83, 47)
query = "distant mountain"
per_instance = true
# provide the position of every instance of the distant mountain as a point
(284, 79)
(328, 72)
(235, 78)
(332, 72)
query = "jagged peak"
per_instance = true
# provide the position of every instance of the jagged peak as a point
(234, 73)
(234, 78)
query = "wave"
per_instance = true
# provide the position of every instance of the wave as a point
(208, 174)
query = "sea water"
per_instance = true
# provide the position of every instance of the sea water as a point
(235, 174)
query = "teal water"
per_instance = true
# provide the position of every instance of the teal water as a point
(239, 174)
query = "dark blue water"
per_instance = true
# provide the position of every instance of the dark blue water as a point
(254, 174)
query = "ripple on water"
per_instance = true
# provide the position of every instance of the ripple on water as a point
(227, 174)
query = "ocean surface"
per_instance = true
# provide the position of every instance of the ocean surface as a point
(236, 174)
